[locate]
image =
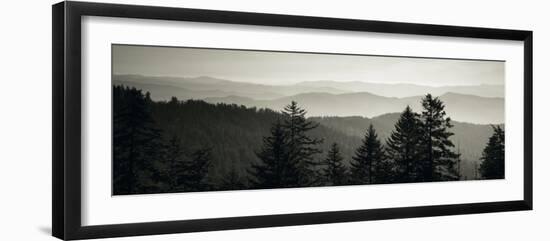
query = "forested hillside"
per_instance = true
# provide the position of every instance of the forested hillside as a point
(191, 145)
(234, 133)
(469, 139)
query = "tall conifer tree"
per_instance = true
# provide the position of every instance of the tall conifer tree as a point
(492, 165)
(384, 171)
(334, 172)
(302, 148)
(366, 159)
(176, 165)
(274, 170)
(196, 177)
(439, 159)
(185, 173)
(403, 147)
(136, 142)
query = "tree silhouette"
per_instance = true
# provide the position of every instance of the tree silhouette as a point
(287, 155)
(334, 172)
(136, 142)
(301, 147)
(177, 165)
(456, 172)
(403, 147)
(196, 175)
(275, 169)
(184, 173)
(492, 165)
(439, 160)
(384, 171)
(366, 159)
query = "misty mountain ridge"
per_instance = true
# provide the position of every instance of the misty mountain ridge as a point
(265, 92)
(205, 86)
(405, 90)
(466, 108)
(319, 101)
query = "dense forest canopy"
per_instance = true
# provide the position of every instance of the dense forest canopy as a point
(192, 145)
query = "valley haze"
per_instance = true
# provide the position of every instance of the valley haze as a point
(329, 98)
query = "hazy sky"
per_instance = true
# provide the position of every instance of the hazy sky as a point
(278, 68)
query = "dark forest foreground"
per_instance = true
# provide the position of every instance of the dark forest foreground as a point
(186, 146)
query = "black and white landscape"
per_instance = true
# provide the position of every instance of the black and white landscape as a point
(191, 119)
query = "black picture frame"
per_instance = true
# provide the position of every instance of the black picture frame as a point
(66, 58)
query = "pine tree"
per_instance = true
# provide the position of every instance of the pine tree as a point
(384, 172)
(492, 165)
(183, 173)
(334, 172)
(403, 147)
(136, 142)
(196, 177)
(274, 170)
(457, 170)
(366, 159)
(301, 147)
(177, 165)
(439, 160)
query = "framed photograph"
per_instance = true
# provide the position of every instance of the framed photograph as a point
(171, 120)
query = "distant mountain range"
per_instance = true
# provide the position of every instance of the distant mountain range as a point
(406, 90)
(329, 98)
(203, 87)
(213, 87)
(467, 108)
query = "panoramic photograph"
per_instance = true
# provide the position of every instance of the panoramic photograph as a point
(203, 119)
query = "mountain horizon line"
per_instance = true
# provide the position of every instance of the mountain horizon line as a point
(470, 104)
(395, 115)
(488, 110)
(214, 78)
(369, 93)
(448, 93)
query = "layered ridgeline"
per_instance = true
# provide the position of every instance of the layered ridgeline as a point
(204, 86)
(466, 108)
(482, 104)
(224, 141)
